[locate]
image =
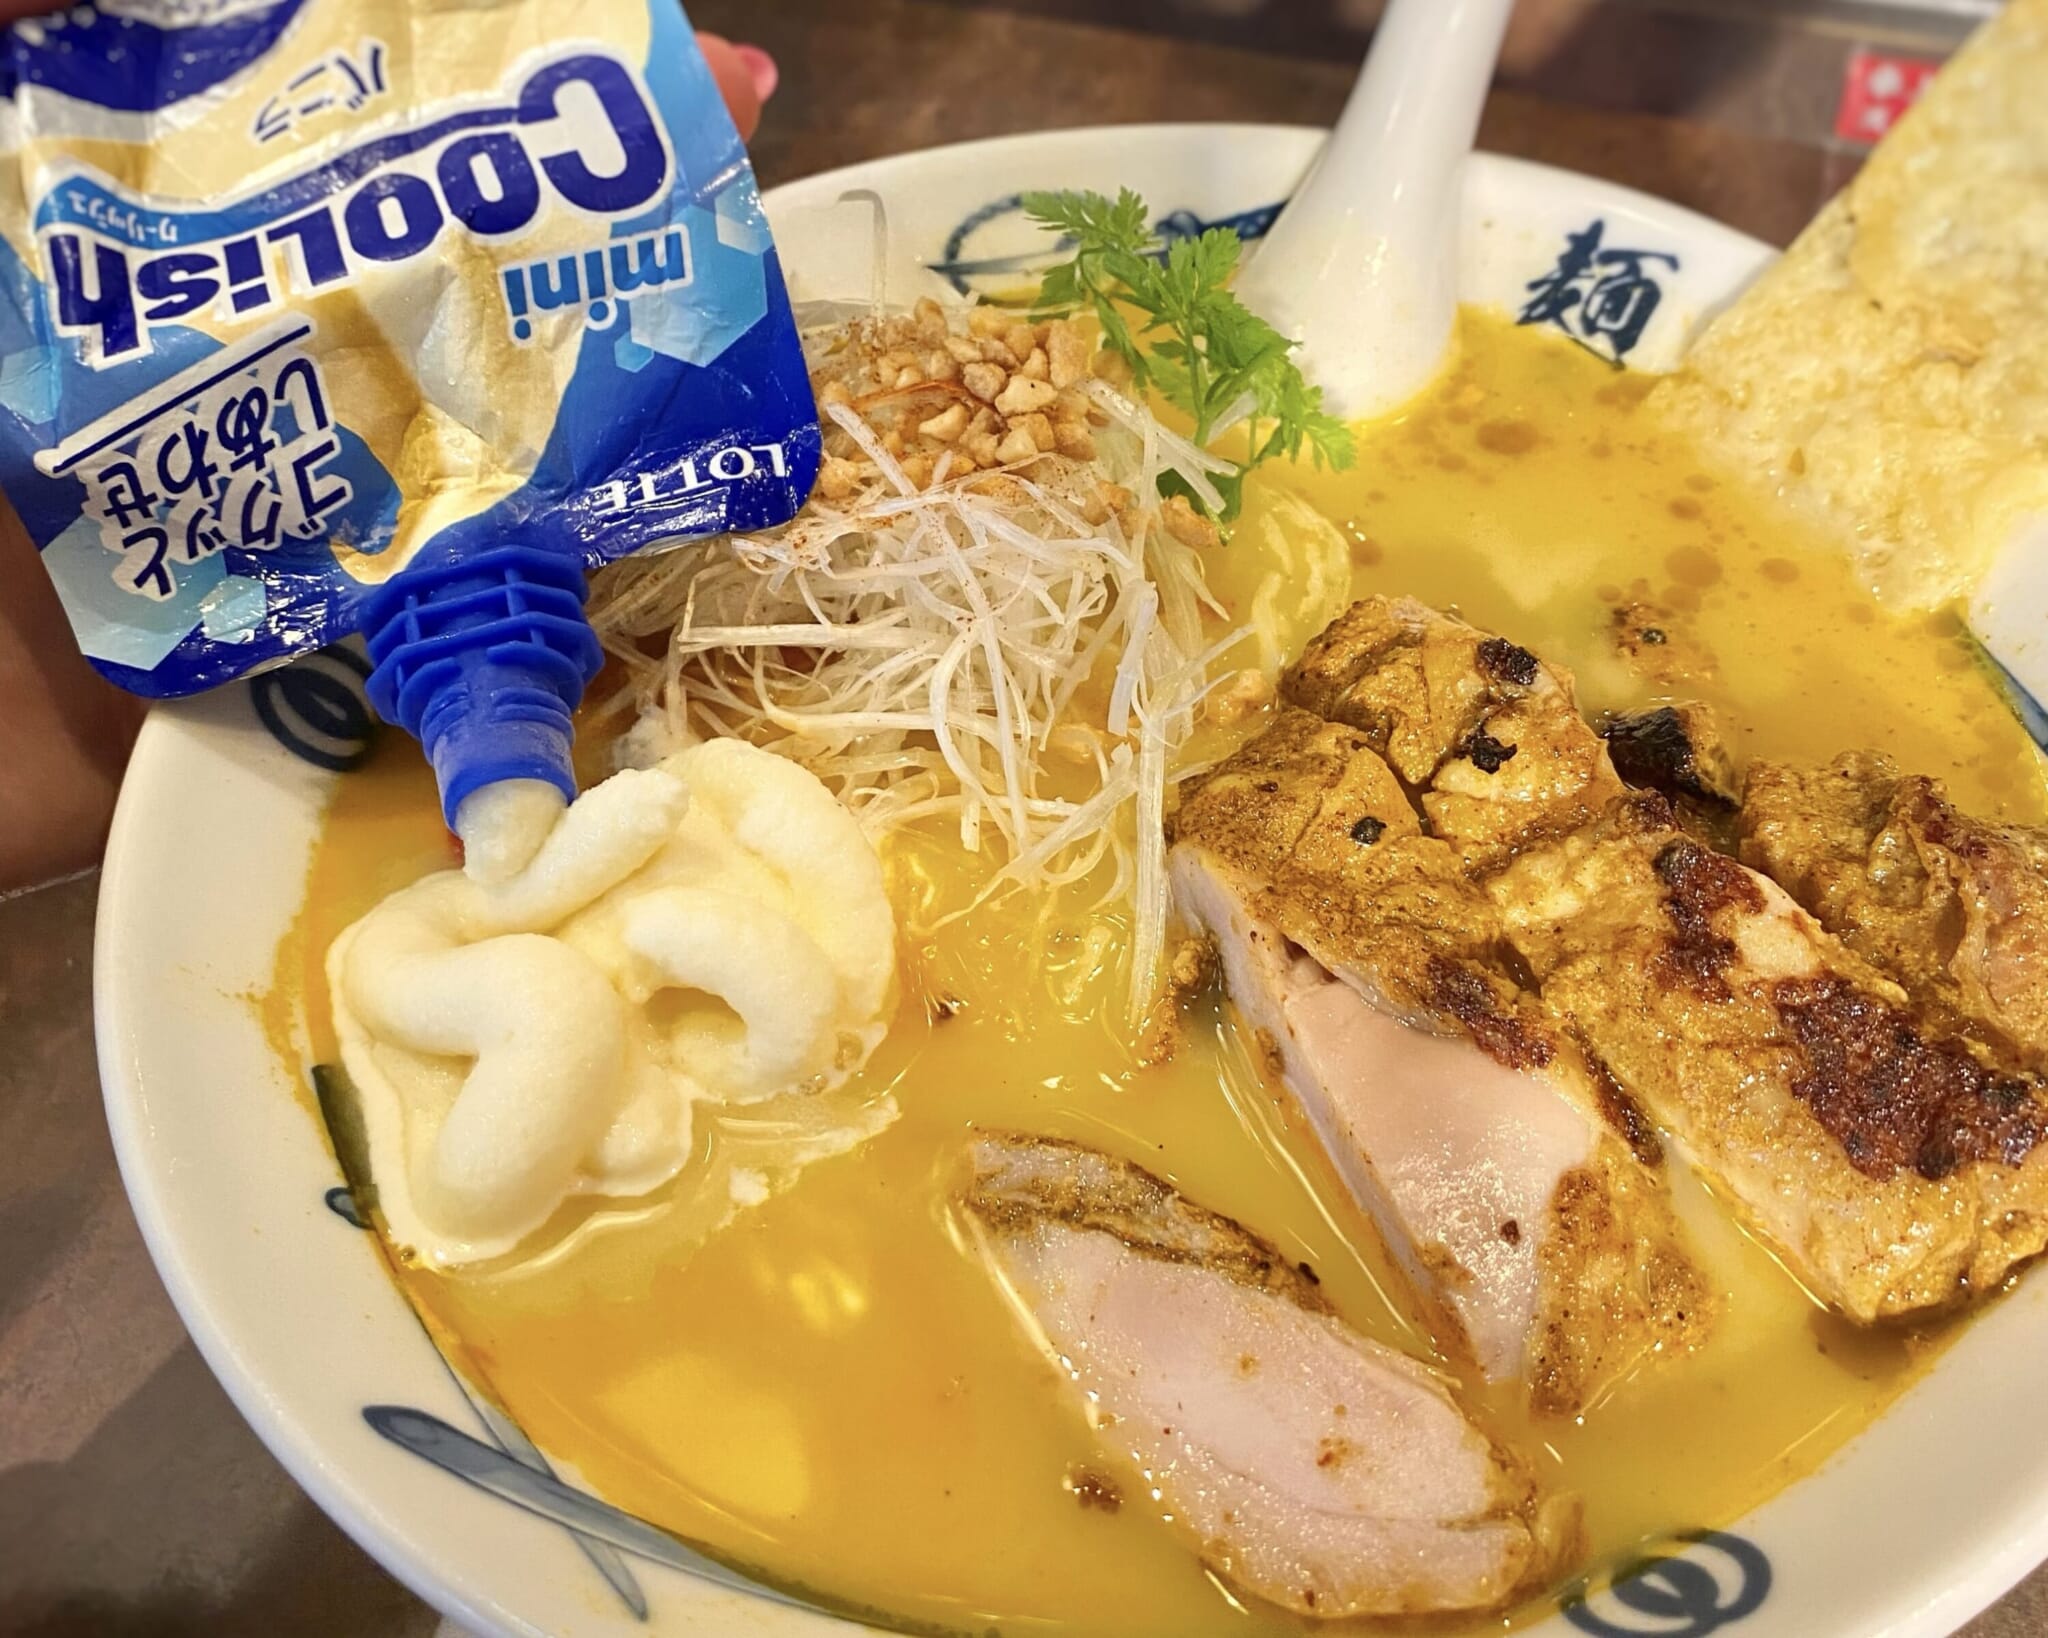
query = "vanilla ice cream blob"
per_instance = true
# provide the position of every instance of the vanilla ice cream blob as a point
(711, 930)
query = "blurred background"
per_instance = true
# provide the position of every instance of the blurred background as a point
(1753, 111)
(133, 1500)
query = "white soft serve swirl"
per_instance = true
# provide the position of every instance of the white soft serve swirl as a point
(711, 928)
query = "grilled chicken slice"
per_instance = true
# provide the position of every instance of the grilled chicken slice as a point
(1310, 1466)
(1953, 908)
(1490, 734)
(1475, 1134)
(1894, 1165)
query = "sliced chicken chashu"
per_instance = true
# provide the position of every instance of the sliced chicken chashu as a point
(1475, 1134)
(1894, 1165)
(1488, 733)
(1953, 908)
(1308, 1465)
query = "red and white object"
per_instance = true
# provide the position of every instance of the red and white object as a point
(1877, 87)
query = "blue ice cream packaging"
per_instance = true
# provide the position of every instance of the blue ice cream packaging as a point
(390, 317)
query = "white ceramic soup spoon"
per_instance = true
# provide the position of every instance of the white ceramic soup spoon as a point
(1361, 267)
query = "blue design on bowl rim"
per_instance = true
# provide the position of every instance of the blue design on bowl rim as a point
(509, 1439)
(1600, 295)
(318, 707)
(1691, 1585)
(961, 270)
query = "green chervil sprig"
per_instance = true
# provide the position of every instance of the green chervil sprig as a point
(1194, 343)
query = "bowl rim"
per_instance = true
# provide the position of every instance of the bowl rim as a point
(288, 1438)
(1091, 138)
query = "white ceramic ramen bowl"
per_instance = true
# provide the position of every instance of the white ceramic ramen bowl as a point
(1914, 1527)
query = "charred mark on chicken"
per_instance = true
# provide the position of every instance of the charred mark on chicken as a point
(1624, 1116)
(1700, 882)
(1892, 1097)
(1665, 750)
(1507, 662)
(1488, 754)
(1466, 996)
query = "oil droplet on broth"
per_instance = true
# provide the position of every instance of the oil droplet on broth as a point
(830, 1389)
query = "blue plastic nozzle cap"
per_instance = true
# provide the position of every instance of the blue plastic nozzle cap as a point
(483, 661)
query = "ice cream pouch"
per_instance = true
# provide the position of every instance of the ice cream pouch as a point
(304, 295)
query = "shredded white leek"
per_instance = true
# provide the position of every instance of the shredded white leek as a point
(976, 652)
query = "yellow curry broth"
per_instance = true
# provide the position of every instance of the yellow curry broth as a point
(1531, 490)
(831, 1390)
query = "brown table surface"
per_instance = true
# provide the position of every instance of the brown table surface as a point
(133, 1500)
